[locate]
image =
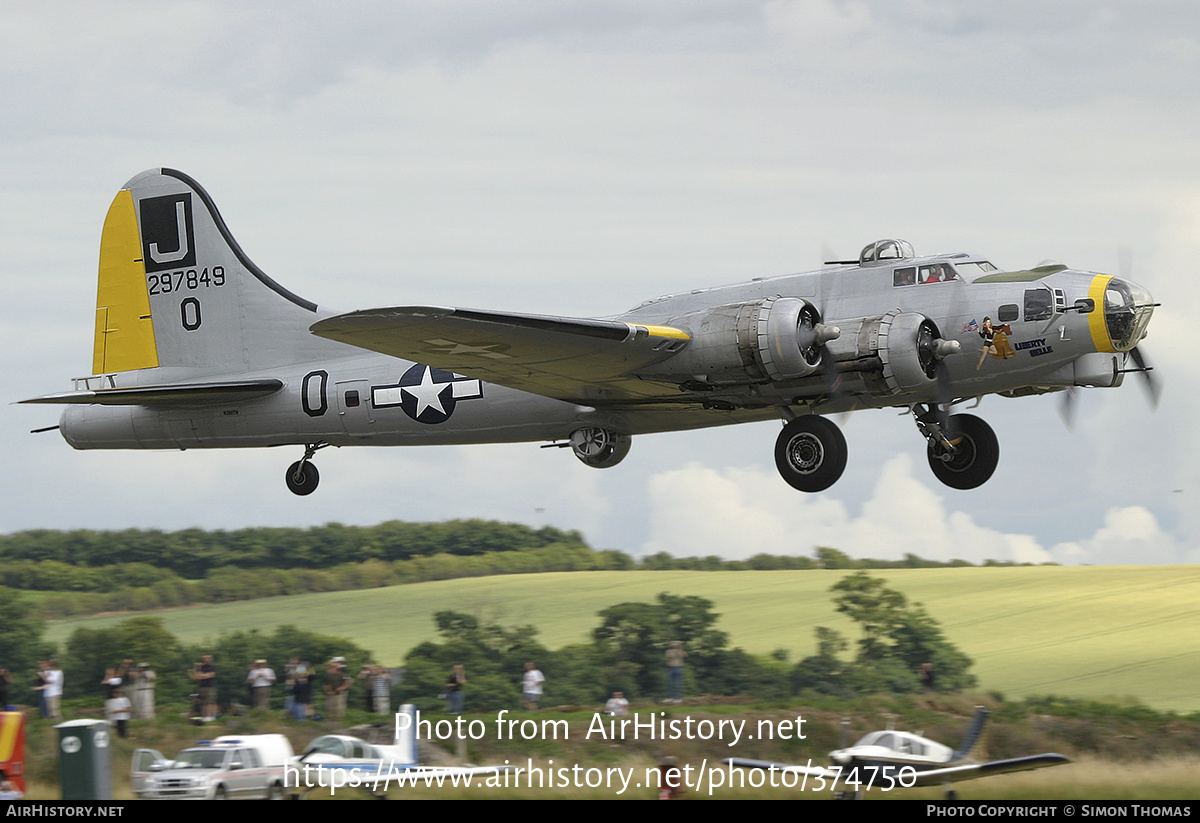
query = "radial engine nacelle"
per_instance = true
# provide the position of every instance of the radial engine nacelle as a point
(760, 341)
(896, 353)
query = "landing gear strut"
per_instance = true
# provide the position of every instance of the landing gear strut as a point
(302, 476)
(810, 453)
(963, 450)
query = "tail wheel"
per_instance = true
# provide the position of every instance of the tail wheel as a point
(974, 457)
(810, 453)
(302, 477)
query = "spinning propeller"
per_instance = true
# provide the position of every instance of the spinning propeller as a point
(1141, 363)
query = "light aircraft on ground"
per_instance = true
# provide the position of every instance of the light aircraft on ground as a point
(890, 759)
(373, 766)
(196, 347)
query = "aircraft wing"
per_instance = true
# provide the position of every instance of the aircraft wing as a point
(574, 359)
(970, 771)
(812, 771)
(932, 777)
(168, 394)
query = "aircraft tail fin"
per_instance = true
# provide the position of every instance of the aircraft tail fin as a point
(177, 292)
(406, 733)
(974, 733)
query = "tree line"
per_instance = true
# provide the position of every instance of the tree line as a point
(83, 560)
(193, 553)
(142, 570)
(626, 652)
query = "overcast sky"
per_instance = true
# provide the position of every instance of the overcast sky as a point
(577, 158)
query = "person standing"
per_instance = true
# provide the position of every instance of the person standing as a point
(111, 682)
(117, 709)
(38, 687)
(531, 686)
(455, 697)
(206, 680)
(260, 679)
(302, 677)
(336, 686)
(675, 657)
(617, 705)
(143, 692)
(54, 688)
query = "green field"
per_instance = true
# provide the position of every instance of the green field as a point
(1102, 631)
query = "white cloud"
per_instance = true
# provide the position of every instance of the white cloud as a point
(739, 512)
(1130, 535)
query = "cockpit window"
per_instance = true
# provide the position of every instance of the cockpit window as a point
(326, 745)
(936, 273)
(1037, 304)
(920, 275)
(977, 267)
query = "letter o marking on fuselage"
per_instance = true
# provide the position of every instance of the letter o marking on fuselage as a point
(313, 396)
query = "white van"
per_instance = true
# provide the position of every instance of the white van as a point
(231, 767)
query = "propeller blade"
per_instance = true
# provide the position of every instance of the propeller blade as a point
(1125, 262)
(1066, 407)
(1151, 383)
(834, 382)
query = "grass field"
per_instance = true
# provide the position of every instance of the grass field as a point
(1089, 777)
(1103, 631)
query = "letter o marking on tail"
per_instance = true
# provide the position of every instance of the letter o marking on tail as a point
(190, 319)
(313, 398)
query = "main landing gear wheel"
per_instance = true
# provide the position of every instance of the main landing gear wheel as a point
(974, 457)
(810, 453)
(302, 477)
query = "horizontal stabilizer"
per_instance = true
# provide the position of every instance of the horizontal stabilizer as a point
(167, 394)
(574, 359)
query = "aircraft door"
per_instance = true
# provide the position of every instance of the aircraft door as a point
(354, 408)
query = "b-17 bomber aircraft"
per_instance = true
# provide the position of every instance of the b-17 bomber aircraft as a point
(196, 347)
